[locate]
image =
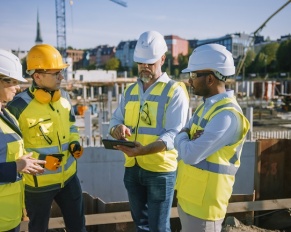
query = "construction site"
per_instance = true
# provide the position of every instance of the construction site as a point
(261, 198)
(261, 195)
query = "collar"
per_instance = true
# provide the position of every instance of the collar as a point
(218, 97)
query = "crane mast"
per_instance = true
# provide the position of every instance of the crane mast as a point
(61, 27)
(61, 24)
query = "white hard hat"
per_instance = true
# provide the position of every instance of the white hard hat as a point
(10, 66)
(150, 47)
(213, 57)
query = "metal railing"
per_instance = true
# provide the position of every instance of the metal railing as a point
(286, 134)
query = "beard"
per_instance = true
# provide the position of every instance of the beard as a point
(145, 76)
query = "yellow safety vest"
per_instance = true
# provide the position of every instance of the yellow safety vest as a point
(47, 129)
(11, 194)
(203, 190)
(147, 125)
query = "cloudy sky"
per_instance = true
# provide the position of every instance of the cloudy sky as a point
(90, 23)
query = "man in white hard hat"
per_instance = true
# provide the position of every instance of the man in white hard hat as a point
(151, 112)
(211, 142)
(13, 159)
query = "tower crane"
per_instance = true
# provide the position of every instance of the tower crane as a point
(61, 23)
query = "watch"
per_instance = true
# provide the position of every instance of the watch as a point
(113, 128)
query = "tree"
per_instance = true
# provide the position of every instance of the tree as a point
(134, 69)
(183, 61)
(266, 58)
(249, 61)
(284, 56)
(112, 64)
(270, 51)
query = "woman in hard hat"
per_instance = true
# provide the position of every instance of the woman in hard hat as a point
(13, 162)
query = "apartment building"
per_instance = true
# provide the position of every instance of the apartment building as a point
(176, 46)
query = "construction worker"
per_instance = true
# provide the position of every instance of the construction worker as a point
(211, 142)
(13, 161)
(46, 119)
(151, 112)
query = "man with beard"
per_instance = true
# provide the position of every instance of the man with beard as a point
(150, 113)
(210, 144)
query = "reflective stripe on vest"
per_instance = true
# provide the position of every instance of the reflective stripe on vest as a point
(229, 169)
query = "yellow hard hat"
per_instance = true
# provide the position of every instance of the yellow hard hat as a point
(44, 56)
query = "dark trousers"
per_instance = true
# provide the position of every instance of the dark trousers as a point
(16, 229)
(70, 201)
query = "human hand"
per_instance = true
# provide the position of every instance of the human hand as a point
(131, 151)
(76, 149)
(197, 134)
(30, 165)
(120, 132)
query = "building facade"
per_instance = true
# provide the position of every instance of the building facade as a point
(124, 52)
(176, 46)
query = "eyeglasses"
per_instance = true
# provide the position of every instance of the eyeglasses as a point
(56, 74)
(194, 75)
(48, 139)
(145, 114)
(9, 81)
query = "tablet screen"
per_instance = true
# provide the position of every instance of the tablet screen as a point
(110, 143)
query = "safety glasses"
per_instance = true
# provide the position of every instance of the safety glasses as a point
(194, 75)
(145, 114)
(56, 74)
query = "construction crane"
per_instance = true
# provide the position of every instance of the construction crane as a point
(122, 3)
(61, 23)
(242, 61)
(61, 27)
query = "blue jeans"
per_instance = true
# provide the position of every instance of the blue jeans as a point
(70, 201)
(150, 197)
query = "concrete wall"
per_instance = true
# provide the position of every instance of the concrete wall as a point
(101, 173)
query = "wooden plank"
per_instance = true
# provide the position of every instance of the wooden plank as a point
(259, 205)
(121, 217)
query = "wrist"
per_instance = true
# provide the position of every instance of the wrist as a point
(113, 129)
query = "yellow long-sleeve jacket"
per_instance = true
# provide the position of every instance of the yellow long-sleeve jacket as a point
(47, 129)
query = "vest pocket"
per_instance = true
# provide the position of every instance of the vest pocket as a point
(191, 184)
(40, 130)
(131, 114)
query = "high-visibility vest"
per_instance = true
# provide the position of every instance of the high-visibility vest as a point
(11, 194)
(146, 125)
(47, 129)
(203, 189)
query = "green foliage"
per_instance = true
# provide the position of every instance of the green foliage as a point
(250, 57)
(284, 56)
(112, 64)
(134, 69)
(264, 61)
(91, 67)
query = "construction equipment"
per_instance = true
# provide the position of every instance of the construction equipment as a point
(61, 23)
(242, 61)
(122, 3)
